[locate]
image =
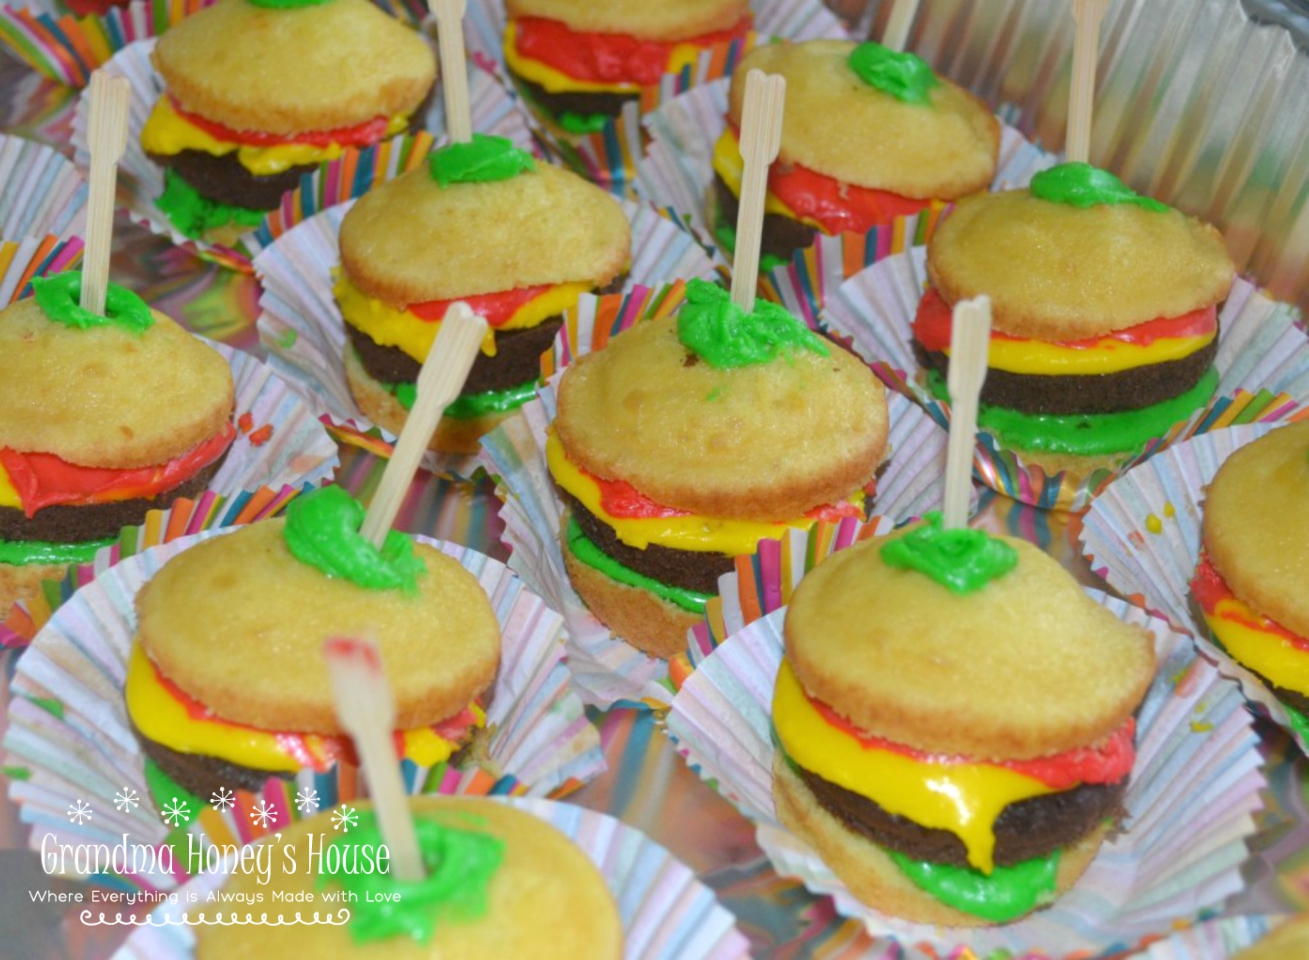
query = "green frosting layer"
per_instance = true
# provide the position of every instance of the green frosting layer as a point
(287, 4)
(483, 159)
(460, 864)
(723, 335)
(1299, 722)
(905, 76)
(20, 553)
(193, 214)
(322, 530)
(1088, 435)
(725, 234)
(582, 123)
(1007, 894)
(59, 296)
(1082, 185)
(588, 553)
(473, 405)
(963, 561)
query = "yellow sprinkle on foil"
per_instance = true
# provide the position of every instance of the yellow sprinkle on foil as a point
(1154, 524)
(1201, 726)
(1169, 511)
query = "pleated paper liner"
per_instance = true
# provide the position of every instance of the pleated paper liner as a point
(1142, 535)
(610, 157)
(1262, 362)
(301, 328)
(677, 175)
(606, 669)
(21, 260)
(41, 192)
(69, 741)
(1190, 803)
(667, 913)
(141, 180)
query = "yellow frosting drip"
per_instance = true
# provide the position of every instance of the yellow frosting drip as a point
(964, 798)
(1107, 356)
(1266, 653)
(731, 168)
(550, 79)
(409, 332)
(8, 495)
(161, 717)
(166, 132)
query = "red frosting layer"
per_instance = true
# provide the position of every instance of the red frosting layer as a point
(44, 480)
(1210, 589)
(361, 135)
(496, 308)
(838, 207)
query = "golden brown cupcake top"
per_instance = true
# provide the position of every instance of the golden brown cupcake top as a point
(108, 397)
(840, 126)
(285, 71)
(411, 240)
(1026, 666)
(667, 20)
(1256, 525)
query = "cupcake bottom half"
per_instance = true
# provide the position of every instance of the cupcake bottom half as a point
(782, 236)
(573, 113)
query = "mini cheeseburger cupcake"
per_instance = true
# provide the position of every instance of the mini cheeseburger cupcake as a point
(1105, 315)
(954, 721)
(500, 883)
(580, 62)
(1254, 563)
(260, 92)
(518, 241)
(687, 440)
(868, 135)
(226, 683)
(102, 418)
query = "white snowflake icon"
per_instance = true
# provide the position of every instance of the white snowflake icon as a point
(263, 814)
(126, 799)
(307, 800)
(176, 813)
(222, 799)
(79, 812)
(344, 819)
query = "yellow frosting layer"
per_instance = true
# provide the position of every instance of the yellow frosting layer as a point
(731, 538)
(409, 332)
(161, 717)
(1107, 356)
(550, 79)
(731, 168)
(1267, 654)
(166, 132)
(964, 798)
(8, 495)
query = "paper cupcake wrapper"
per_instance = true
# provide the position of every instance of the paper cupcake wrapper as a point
(141, 180)
(42, 192)
(667, 913)
(1262, 362)
(1211, 940)
(606, 669)
(21, 260)
(1190, 803)
(301, 327)
(610, 157)
(69, 739)
(677, 175)
(1142, 535)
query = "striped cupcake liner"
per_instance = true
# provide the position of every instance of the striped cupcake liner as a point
(1262, 362)
(21, 260)
(1190, 804)
(141, 180)
(677, 175)
(611, 156)
(608, 670)
(42, 193)
(301, 328)
(69, 742)
(667, 913)
(1143, 534)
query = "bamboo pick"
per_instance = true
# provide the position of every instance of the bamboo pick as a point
(898, 25)
(1081, 94)
(761, 137)
(107, 136)
(970, 336)
(366, 709)
(454, 68)
(439, 382)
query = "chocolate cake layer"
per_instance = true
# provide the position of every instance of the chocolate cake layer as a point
(688, 569)
(781, 237)
(224, 180)
(582, 104)
(96, 521)
(203, 775)
(1092, 393)
(1027, 829)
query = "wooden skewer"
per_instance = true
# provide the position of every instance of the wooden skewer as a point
(761, 137)
(366, 709)
(439, 382)
(1081, 94)
(454, 68)
(970, 337)
(899, 24)
(107, 134)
